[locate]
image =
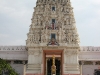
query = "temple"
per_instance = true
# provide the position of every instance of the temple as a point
(53, 32)
(53, 45)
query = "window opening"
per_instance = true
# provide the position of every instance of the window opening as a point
(53, 20)
(53, 8)
(53, 36)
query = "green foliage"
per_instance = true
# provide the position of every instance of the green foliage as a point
(5, 66)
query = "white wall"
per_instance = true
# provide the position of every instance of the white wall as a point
(13, 53)
(89, 69)
(18, 68)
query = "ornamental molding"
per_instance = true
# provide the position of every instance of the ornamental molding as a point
(70, 52)
(34, 52)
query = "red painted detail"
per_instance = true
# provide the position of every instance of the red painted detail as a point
(53, 26)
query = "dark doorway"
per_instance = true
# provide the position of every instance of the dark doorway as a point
(49, 64)
(58, 65)
(53, 8)
(97, 72)
(53, 20)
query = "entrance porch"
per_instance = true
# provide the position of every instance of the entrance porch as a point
(48, 54)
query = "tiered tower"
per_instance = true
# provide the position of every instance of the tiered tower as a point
(53, 31)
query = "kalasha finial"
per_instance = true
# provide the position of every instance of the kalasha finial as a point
(53, 65)
(53, 56)
(53, 59)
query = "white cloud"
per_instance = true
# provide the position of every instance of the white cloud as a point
(95, 2)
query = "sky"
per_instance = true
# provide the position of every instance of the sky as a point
(15, 19)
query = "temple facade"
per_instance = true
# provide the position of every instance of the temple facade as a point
(53, 32)
(53, 40)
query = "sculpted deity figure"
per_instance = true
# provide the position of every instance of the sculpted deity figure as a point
(43, 38)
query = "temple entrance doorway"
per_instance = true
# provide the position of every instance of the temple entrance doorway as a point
(48, 61)
(57, 64)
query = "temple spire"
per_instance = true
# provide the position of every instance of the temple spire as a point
(53, 28)
(56, 17)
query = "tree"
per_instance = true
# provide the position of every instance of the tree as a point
(6, 69)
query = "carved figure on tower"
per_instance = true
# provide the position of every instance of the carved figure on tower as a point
(53, 42)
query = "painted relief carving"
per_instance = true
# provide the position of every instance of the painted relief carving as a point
(34, 52)
(53, 42)
(75, 52)
(30, 52)
(68, 53)
(44, 20)
(43, 36)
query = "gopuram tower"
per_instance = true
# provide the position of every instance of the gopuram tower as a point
(53, 33)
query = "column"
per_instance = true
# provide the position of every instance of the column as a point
(46, 65)
(81, 68)
(12, 62)
(24, 70)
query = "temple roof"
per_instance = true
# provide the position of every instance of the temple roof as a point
(23, 48)
(13, 52)
(12, 48)
(89, 49)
